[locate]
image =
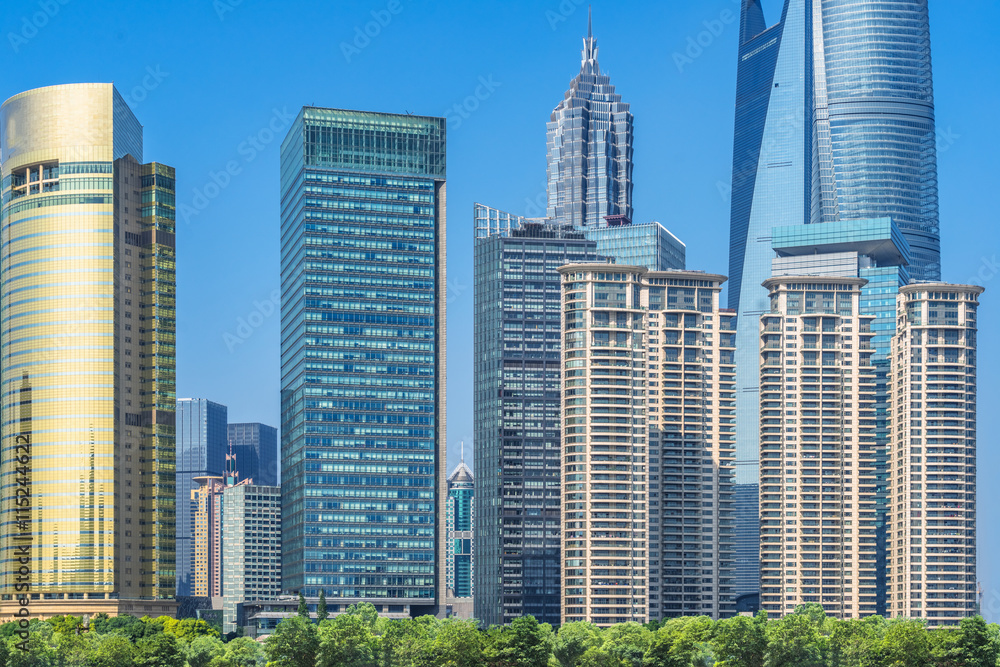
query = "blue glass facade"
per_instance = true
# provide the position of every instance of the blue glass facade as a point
(648, 244)
(201, 450)
(362, 357)
(255, 447)
(834, 122)
(589, 140)
(517, 405)
(461, 524)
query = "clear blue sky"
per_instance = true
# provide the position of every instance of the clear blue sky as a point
(203, 77)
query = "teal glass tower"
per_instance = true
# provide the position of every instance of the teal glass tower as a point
(363, 359)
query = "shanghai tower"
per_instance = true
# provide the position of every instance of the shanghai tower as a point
(834, 122)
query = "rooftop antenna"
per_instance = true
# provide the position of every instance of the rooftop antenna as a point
(463, 451)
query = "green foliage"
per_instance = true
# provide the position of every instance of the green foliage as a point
(795, 641)
(682, 642)
(160, 650)
(202, 650)
(349, 639)
(573, 640)
(627, 643)
(321, 612)
(359, 638)
(741, 641)
(303, 611)
(114, 650)
(524, 643)
(244, 652)
(293, 644)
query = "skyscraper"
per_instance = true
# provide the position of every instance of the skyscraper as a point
(834, 122)
(363, 358)
(647, 244)
(518, 303)
(932, 459)
(206, 541)
(590, 149)
(818, 448)
(461, 555)
(255, 448)
(88, 356)
(648, 445)
(251, 547)
(201, 451)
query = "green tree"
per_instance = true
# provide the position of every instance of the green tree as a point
(245, 652)
(855, 642)
(188, 629)
(73, 649)
(681, 642)
(906, 644)
(114, 650)
(321, 612)
(573, 640)
(201, 650)
(456, 643)
(404, 642)
(349, 639)
(741, 641)
(39, 649)
(160, 650)
(303, 607)
(598, 657)
(979, 643)
(293, 644)
(795, 641)
(626, 642)
(524, 643)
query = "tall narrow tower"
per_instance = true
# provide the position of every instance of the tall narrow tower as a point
(87, 357)
(590, 149)
(363, 358)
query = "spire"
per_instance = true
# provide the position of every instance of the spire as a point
(589, 64)
(463, 451)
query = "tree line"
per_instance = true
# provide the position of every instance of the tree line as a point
(360, 638)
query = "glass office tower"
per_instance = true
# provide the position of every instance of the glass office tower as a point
(834, 121)
(647, 244)
(88, 357)
(201, 451)
(590, 149)
(363, 358)
(461, 526)
(255, 448)
(517, 407)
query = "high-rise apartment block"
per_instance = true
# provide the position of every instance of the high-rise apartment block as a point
(251, 547)
(363, 358)
(460, 524)
(931, 569)
(89, 357)
(590, 150)
(206, 544)
(255, 450)
(518, 301)
(834, 123)
(648, 445)
(201, 452)
(818, 448)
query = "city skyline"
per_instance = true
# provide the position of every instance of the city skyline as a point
(966, 258)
